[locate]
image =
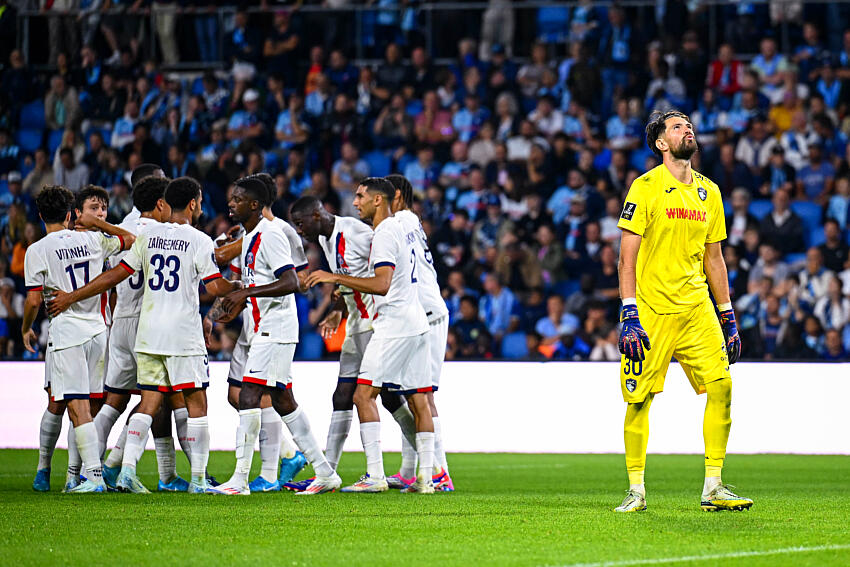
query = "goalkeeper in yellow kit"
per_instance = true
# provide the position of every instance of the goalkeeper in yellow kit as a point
(672, 225)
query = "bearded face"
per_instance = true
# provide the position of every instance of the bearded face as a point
(686, 148)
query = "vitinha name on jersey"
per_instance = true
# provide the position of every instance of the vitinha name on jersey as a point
(81, 251)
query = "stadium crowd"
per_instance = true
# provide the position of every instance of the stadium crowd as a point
(520, 154)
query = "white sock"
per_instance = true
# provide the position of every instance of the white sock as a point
(75, 462)
(246, 437)
(271, 428)
(103, 422)
(439, 451)
(48, 434)
(337, 434)
(198, 441)
(299, 426)
(370, 435)
(87, 443)
(425, 451)
(181, 416)
(711, 482)
(639, 488)
(404, 417)
(116, 455)
(166, 459)
(288, 447)
(138, 428)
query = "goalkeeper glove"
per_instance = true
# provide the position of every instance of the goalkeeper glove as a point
(730, 333)
(633, 339)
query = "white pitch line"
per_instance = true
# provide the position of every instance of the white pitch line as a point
(692, 558)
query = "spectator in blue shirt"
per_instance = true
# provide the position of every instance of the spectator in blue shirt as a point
(247, 124)
(456, 290)
(290, 128)
(342, 74)
(468, 120)
(122, 131)
(8, 152)
(815, 180)
(319, 101)
(499, 308)
(557, 323)
(424, 171)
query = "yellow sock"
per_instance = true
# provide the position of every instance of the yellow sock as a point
(716, 425)
(636, 435)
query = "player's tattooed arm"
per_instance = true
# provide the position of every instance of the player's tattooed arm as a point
(107, 280)
(88, 221)
(379, 284)
(286, 283)
(31, 307)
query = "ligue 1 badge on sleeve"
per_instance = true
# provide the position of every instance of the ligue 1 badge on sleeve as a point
(631, 384)
(703, 194)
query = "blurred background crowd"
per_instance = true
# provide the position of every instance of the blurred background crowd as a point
(520, 125)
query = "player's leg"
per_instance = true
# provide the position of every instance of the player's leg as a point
(702, 354)
(104, 421)
(639, 382)
(250, 419)
(437, 338)
(87, 445)
(48, 435)
(120, 380)
(394, 403)
(341, 417)
(416, 383)
(166, 456)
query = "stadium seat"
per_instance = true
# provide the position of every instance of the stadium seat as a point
(272, 161)
(727, 208)
(552, 23)
(379, 164)
(795, 260)
(811, 213)
(29, 139)
(514, 346)
(104, 132)
(4, 187)
(54, 139)
(32, 115)
(310, 347)
(760, 208)
(815, 236)
(566, 288)
(403, 161)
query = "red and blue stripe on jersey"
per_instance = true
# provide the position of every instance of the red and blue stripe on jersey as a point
(340, 260)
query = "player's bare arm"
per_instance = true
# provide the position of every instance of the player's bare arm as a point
(379, 284)
(89, 221)
(715, 272)
(287, 283)
(31, 307)
(107, 280)
(226, 253)
(629, 247)
(329, 325)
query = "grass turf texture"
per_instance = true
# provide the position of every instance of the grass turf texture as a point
(508, 510)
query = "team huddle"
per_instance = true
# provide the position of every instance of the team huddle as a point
(152, 340)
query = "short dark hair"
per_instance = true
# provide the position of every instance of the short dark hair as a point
(255, 188)
(66, 151)
(54, 202)
(148, 191)
(379, 185)
(304, 205)
(658, 124)
(271, 188)
(142, 171)
(401, 183)
(181, 191)
(88, 192)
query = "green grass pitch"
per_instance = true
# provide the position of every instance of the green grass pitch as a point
(508, 510)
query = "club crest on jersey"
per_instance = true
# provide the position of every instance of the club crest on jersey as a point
(703, 194)
(628, 210)
(631, 384)
(249, 258)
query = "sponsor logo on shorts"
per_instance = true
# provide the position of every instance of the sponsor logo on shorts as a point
(628, 210)
(631, 384)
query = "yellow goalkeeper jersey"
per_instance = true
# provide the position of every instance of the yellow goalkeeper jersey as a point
(676, 221)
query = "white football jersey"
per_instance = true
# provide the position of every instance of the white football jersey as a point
(130, 291)
(296, 245)
(347, 252)
(265, 256)
(426, 276)
(68, 260)
(398, 313)
(175, 259)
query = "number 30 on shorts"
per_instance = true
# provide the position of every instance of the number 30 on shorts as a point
(634, 368)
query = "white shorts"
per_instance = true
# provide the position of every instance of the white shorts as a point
(238, 358)
(351, 355)
(171, 373)
(269, 364)
(76, 373)
(121, 372)
(438, 336)
(397, 363)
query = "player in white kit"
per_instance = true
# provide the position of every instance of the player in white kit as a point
(269, 279)
(281, 459)
(396, 356)
(170, 352)
(438, 319)
(63, 261)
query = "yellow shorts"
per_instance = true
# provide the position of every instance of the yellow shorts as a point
(693, 337)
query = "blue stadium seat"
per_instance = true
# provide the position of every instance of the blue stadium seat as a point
(727, 208)
(379, 164)
(104, 132)
(310, 347)
(4, 187)
(760, 208)
(403, 161)
(811, 213)
(796, 258)
(29, 139)
(54, 139)
(272, 161)
(566, 288)
(32, 115)
(514, 346)
(815, 236)
(414, 108)
(553, 23)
